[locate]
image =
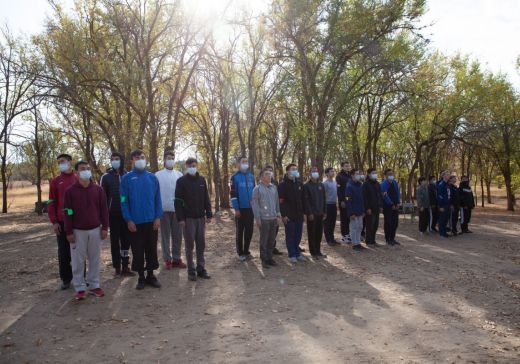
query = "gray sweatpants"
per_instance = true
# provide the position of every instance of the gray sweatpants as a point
(195, 237)
(267, 239)
(86, 247)
(356, 226)
(171, 232)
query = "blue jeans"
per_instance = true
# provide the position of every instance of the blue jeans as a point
(293, 236)
(444, 217)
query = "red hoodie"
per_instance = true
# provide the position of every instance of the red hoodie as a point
(57, 189)
(86, 208)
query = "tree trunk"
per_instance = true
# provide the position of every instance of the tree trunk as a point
(488, 191)
(482, 190)
(509, 193)
(4, 180)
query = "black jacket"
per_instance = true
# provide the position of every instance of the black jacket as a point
(372, 196)
(110, 182)
(314, 202)
(454, 196)
(192, 198)
(432, 190)
(290, 193)
(466, 196)
(342, 180)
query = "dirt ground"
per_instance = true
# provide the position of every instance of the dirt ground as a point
(429, 300)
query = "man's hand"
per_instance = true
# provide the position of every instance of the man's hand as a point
(285, 220)
(258, 224)
(310, 217)
(324, 217)
(156, 224)
(342, 204)
(421, 209)
(182, 223)
(369, 211)
(131, 227)
(209, 220)
(280, 221)
(441, 209)
(71, 238)
(381, 210)
(104, 234)
(394, 207)
(57, 228)
(237, 214)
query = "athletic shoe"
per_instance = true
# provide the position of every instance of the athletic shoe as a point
(454, 233)
(315, 257)
(321, 255)
(64, 286)
(301, 258)
(126, 272)
(152, 281)
(395, 242)
(249, 256)
(242, 258)
(272, 263)
(358, 247)
(332, 243)
(293, 260)
(98, 292)
(302, 250)
(468, 232)
(178, 264)
(167, 265)
(203, 274)
(265, 265)
(117, 271)
(370, 243)
(435, 230)
(192, 277)
(80, 295)
(444, 236)
(346, 239)
(141, 282)
(277, 252)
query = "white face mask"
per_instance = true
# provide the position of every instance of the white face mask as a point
(140, 164)
(244, 167)
(391, 178)
(116, 164)
(357, 177)
(85, 175)
(64, 167)
(169, 163)
(373, 176)
(315, 175)
(191, 170)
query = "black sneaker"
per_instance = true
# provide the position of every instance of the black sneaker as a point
(272, 263)
(395, 242)
(152, 281)
(126, 272)
(203, 274)
(265, 265)
(358, 247)
(370, 243)
(467, 232)
(454, 233)
(249, 256)
(277, 252)
(64, 286)
(321, 255)
(192, 277)
(435, 230)
(391, 243)
(117, 271)
(315, 257)
(302, 250)
(141, 282)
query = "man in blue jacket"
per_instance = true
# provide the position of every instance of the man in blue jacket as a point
(142, 210)
(391, 201)
(242, 185)
(444, 202)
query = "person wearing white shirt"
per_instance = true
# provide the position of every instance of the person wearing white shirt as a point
(171, 230)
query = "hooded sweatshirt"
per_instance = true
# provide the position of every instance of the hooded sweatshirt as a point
(85, 208)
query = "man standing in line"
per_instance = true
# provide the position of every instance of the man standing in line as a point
(290, 193)
(266, 209)
(331, 195)
(454, 205)
(434, 209)
(391, 201)
(373, 200)
(86, 225)
(342, 180)
(423, 204)
(119, 243)
(275, 183)
(467, 203)
(443, 202)
(171, 230)
(57, 188)
(356, 208)
(242, 184)
(142, 210)
(315, 207)
(193, 212)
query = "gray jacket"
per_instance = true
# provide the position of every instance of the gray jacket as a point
(423, 197)
(265, 202)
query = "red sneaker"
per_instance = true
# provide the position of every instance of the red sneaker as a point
(168, 265)
(98, 292)
(80, 295)
(178, 264)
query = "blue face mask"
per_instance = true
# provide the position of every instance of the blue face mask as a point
(140, 164)
(191, 171)
(315, 175)
(169, 163)
(85, 175)
(64, 167)
(295, 174)
(116, 164)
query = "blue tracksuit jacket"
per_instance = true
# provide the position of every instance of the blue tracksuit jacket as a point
(140, 197)
(242, 185)
(443, 194)
(354, 197)
(385, 187)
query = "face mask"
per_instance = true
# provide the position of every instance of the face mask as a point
(169, 163)
(116, 164)
(315, 175)
(191, 171)
(361, 177)
(64, 167)
(373, 176)
(244, 167)
(295, 174)
(391, 178)
(85, 175)
(140, 164)
(433, 181)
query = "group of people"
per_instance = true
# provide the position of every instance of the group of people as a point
(134, 205)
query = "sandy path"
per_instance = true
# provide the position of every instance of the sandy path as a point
(427, 301)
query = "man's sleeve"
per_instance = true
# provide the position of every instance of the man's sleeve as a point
(281, 199)
(348, 197)
(384, 192)
(179, 200)
(125, 208)
(103, 210)
(234, 193)
(277, 204)
(68, 213)
(306, 200)
(398, 193)
(103, 182)
(341, 189)
(207, 201)
(379, 197)
(52, 203)
(158, 201)
(255, 203)
(324, 195)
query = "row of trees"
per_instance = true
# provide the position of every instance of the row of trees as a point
(310, 81)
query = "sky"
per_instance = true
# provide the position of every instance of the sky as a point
(488, 30)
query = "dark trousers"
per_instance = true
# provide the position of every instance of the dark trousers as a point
(144, 247)
(391, 222)
(293, 237)
(434, 217)
(64, 256)
(195, 238)
(275, 236)
(244, 231)
(314, 233)
(330, 222)
(371, 226)
(119, 243)
(424, 219)
(345, 221)
(454, 219)
(465, 218)
(444, 216)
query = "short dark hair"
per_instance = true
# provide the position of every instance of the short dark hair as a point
(116, 154)
(170, 153)
(262, 172)
(136, 153)
(239, 159)
(432, 177)
(388, 170)
(422, 179)
(370, 170)
(344, 162)
(64, 155)
(289, 166)
(464, 176)
(191, 160)
(269, 166)
(328, 169)
(80, 163)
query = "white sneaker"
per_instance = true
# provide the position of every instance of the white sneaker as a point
(242, 258)
(301, 258)
(346, 239)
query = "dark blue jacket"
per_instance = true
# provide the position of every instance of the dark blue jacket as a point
(354, 197)
(110, 182)
(242, 185)
(385, 187)
(140, 197)
(443, 194)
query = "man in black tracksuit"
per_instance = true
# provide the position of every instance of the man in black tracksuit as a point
(315, 207)
(467, 203)
(373, 200)
(434, 209)
(454, 204)
(119, 234)
(342, 180)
